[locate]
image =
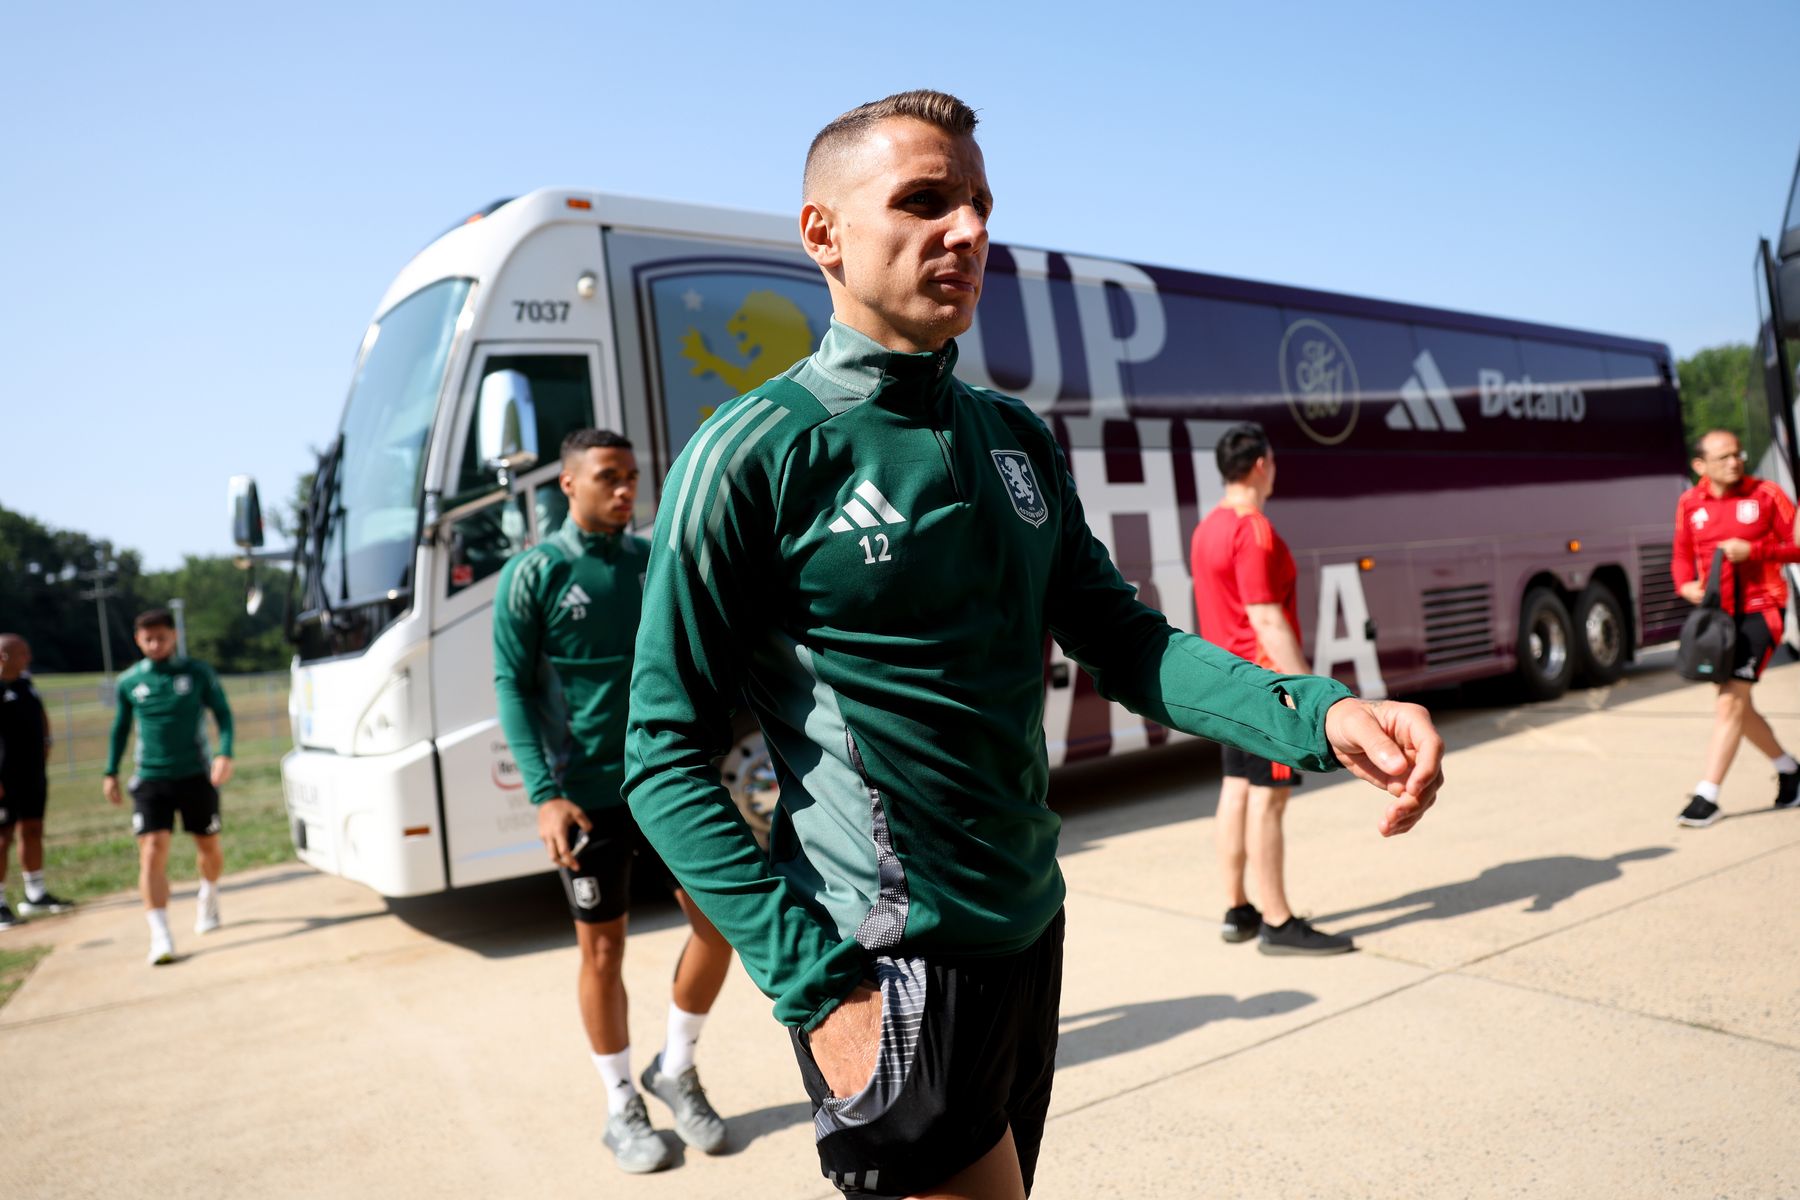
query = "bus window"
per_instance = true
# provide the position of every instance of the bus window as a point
(1220, 354)
(563, 396)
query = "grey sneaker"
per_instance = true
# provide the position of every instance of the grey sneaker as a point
(633, 1142)
(696, 1122)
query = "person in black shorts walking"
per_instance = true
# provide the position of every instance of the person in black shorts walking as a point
(24, 783)
(565, 618)
(1244, 593)
(872, 555)
(169, 695)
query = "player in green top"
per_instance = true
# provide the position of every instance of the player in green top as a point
(874, 554)
(169, 695)
(565, 622)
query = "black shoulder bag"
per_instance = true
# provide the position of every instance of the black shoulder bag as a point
(1710, 634)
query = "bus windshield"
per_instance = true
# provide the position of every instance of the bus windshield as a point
(369, 522)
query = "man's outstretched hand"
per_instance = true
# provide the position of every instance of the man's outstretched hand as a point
(1396, 748)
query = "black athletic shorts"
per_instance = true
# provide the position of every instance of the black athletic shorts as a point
(154, 803)
(601, 889)
(968, 1048)
(1239, 764)
(1758, 633)
(23, 801)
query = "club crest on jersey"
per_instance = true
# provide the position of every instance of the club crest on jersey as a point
(587, 892)
(1747, 511)
(183, 685)
(1021, 486)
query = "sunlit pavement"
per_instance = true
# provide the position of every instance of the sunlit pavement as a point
(1559, 993)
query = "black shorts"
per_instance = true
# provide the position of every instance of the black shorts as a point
(23, 801)
(1758, 634)
(154, 803)
(968, 1048)
(601, 890)
(1239, 764)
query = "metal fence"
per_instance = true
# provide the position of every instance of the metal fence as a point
(81, 717)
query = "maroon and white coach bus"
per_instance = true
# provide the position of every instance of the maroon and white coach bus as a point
(1465, 496)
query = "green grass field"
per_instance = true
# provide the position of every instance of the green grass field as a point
(89, 849)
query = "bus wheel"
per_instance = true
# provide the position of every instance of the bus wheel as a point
(748, 773)
(1600, 636)
(1546, 645)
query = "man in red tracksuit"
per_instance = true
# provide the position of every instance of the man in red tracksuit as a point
(1752, 521)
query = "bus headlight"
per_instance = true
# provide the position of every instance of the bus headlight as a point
(383, 727)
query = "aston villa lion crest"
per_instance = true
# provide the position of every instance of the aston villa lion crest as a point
(1021, 486)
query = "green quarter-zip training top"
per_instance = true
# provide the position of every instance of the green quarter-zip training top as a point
(565, 621)
(169, 700)
(873, 554)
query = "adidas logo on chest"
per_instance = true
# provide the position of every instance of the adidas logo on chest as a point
(869, 510)
(575, 602)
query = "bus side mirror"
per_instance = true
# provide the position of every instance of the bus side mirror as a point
(506, 424)
(246, 512)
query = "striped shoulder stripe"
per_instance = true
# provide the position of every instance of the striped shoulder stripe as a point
(731, 469)
(727, 418)
(687, 517)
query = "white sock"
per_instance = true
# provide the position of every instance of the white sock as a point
(208, 889)
(684, 1034)
(1707, 791)
(1785, 764)
(34, 880)
(615, 1073)
(159, 922)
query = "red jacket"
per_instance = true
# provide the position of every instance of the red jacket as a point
(1756, 511)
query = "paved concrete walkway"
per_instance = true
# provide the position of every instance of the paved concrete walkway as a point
(1560, 993)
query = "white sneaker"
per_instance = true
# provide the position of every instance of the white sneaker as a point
(162, 949)
(206, 917)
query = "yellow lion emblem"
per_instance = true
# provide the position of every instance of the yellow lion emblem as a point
(771, 333)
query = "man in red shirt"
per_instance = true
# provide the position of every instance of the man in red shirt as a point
(1752, 521)
(1244, 595)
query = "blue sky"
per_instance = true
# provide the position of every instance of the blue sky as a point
(204, 202)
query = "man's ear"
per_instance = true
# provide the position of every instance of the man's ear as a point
(566, 481)
(818, 233)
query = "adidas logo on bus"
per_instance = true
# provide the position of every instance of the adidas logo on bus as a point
(1425, 400)
(858, 511)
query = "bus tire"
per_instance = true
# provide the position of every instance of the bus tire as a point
(1602, 639)
(748, 773)
(1546, 645)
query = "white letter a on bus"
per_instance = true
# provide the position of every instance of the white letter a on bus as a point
(1342, 605)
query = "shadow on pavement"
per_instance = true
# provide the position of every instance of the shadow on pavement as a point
(1105, 1032)
(761, 1122)
(1546, 882)
(294, 927)
(521, 916)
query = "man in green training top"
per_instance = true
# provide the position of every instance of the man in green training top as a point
(565, 619)
(169, 693)
(874, 553)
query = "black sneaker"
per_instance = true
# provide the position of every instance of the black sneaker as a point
(1699, 813)
(7, 919)
(49, 902)
(1240, 923)
(1787, 789)
(1297, 936)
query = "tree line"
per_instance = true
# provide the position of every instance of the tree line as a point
(46, 584)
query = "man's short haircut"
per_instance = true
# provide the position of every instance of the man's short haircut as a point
(1700, 442)
(1239, 448)
(939, 109)
(582, 440)
(153, 618)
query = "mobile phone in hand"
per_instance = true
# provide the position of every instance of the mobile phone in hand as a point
(578, 840)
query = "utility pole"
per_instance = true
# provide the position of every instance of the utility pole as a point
(102, 570)
(178, 606)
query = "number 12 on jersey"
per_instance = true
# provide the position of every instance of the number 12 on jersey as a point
(869, 555)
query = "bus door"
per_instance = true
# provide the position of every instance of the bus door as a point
(489, 825)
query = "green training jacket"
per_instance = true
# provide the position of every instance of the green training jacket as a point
(169, 699)
(565, 620)
(874, 553)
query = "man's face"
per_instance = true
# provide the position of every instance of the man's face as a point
(15, 657)
(601, 486)
(1721, 460)
(900, 230)
(156, 641)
